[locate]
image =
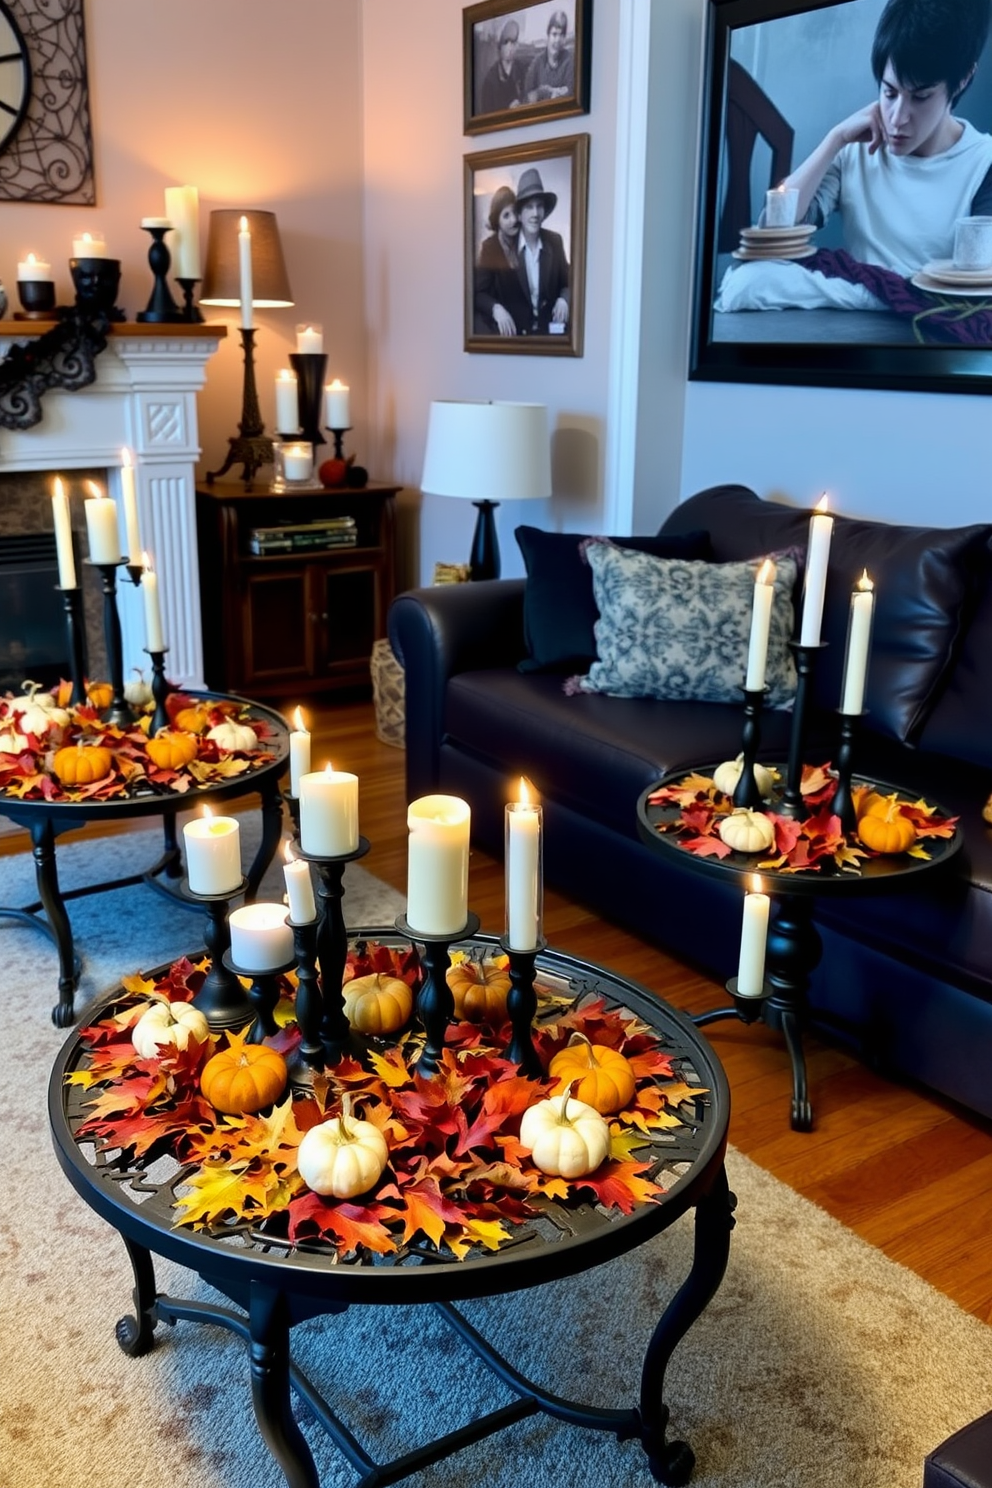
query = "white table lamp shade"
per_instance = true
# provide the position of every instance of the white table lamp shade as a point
(488, 451)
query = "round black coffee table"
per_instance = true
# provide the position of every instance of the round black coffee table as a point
(46, 820)
(274, 1286)
(794, 944)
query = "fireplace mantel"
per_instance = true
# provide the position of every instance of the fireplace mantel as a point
(144, 397)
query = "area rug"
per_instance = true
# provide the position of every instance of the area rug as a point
(819, 1363)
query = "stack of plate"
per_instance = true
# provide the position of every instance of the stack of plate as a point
(941, 277)
(776, 242)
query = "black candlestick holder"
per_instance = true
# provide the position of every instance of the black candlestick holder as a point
(191, 313)
(160, 691)
(120, 713)
(263, 996)
(338, 436)
(521, 1004)
(746, 791)
(806, 656)
(250, 446)
(162, 308)
(310, 367)
(843, 801)
(37, 297)
(336, 1034)
(747, 1009)
(435, 1000)
(72, 603)
(222, 999)
(308, 1057)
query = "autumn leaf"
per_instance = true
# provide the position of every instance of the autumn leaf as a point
(707, 847)
(488, 1233)
(619, 1185)
(351, 1226)
(221, 1189)
(424, 1208)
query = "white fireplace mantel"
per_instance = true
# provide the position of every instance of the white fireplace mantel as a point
(144, 398)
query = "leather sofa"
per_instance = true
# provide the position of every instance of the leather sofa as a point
(904, 976)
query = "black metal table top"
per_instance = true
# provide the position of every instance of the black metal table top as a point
(147, 799)
(563, 1239)
(879, 874)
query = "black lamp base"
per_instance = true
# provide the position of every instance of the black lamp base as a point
(484, 558)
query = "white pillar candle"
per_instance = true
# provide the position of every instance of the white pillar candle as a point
(89, 245)
(329, 812)
(761, 619)
(156, 222)
(523, 872)
(101, 527)
(32, 268)
(437, 866)
(287, 403)
(337, 398)
(299, 753)
(63, 536)
(297, 461)
(213, 854)
(182, 207)
(260, 938)
(821, 528)
(754, 936)
(781, 206)
(153, 611)
(299, 887)
(858, 638)
(130, 507)
(309, 338)
(244, 264)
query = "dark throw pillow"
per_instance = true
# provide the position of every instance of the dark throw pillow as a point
(559, 604)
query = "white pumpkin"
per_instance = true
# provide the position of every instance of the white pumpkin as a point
(565, 1136)
(747, 831)
(169, 1023)
(11, 742)
(342, 1157)
(137, 691)
(37, 712)
(726, 776)
(233, 736)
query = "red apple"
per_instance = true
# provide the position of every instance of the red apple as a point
(332, 472)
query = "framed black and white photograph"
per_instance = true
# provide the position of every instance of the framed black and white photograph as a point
(843, 144)
(525, 63)
(525, 243)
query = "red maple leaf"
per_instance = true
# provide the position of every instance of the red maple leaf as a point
(707, 847)
(349, 1226)
(619, 1185)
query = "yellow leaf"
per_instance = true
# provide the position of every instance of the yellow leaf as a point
(221, 1189)
(141, 985)
(390, 1068)
(623, 1140)
(487, 1232)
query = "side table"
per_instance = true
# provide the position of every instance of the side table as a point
(275, 1286)
(794, 944)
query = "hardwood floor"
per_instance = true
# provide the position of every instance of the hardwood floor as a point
(908, 1172)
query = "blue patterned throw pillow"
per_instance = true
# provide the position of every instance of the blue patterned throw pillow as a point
(672, 628)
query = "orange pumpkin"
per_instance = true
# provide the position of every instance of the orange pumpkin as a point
(194, 720)
(81, 764)
(886, 830)
(100, 694)
(243, 1077)
(868, 802)
(170, 751)
(606, 1080)
(377, 1004)
(480, 990)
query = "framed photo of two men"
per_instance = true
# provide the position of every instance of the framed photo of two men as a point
(525, 248)
(525, 62)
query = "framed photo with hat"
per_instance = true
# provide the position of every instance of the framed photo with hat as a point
(525, 62)
(525, 248)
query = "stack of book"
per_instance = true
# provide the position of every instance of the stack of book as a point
(329, 532)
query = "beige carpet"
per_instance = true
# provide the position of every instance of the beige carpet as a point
(819, 1364)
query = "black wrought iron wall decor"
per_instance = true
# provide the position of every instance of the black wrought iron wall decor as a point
(64, 357)
(48, 157)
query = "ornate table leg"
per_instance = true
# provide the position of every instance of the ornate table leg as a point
(47, 878)
(269, 1322)
(172, 858)
(135, 1334)
(794, 950)
(271, 805)
(672, 1462)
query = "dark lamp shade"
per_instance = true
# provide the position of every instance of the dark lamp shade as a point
(222, 275)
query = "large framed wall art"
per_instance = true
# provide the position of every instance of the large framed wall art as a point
(525, 62)
(878, 117)
(47, 154)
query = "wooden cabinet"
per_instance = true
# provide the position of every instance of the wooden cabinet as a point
(292, 622)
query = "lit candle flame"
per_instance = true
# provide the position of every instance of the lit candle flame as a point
(756, 885)
(298, 721)
(864, 583)
(126, 457)
(94, 489)
(821, 505)
(58, 487)
(526, 794)
(287, 851)
(146, 563)
(206, 812)
(328, 768)
(766, 573)
(243, 224)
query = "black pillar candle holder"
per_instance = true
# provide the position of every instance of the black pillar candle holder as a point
(222, 999)
(161, 308)
(746, 791)
(338, 436)
(160, 691)
(747, 1009)
(310, 368)
(37, 297)
(806, 658)
(308, 1058)
(120, 713)
(435, 1000)
(191, 313)
(96, 282)
(72, 603)
(336, 1034)
(263, 995)
(521, 1005)
(843, 801)
(251, 447)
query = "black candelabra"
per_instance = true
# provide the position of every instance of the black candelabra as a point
(222, 999)
(747, 792)
(250, 446)
(161, 307)
(310, 367)
(806, 656)
(435, 1000)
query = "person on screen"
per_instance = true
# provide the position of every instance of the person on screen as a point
(503, 84)
(552, 72)
(900, 170)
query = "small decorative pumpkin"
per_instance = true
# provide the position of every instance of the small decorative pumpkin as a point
(343, 1157)
(81, 764)
(193, 720)
(887, 831)
(868, 802)
(601, 1077)
(480, 990)
(170, 750)
(378, 1003)
(11, 742)
(243, 1077)
(100, 694)
(39, 711)
(169, 1023)
(565, 1136)
(234, 736)
(726, 776)
(747, 831)
(137, 691)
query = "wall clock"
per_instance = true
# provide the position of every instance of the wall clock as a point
(15, 76)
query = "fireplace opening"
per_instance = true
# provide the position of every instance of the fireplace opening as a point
(33, 641)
